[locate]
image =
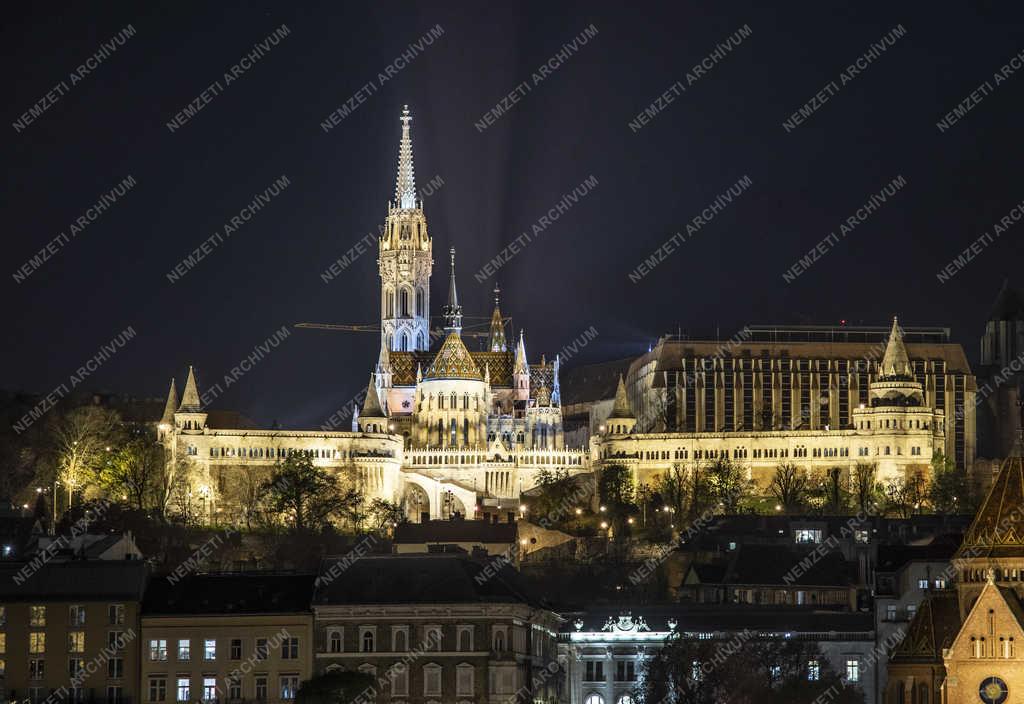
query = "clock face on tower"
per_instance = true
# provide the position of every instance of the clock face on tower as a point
(993, 691)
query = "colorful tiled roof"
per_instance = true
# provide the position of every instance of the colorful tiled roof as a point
(453, 361)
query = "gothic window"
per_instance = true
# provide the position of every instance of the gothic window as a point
(419, 302)
(406, 232)
(454, 401)
(454, 432)
(440, 433)
(421, 342)
(465, 402)
(465, 431)
(403, 340)
(440, 401)
(403, 303)
(389, 303)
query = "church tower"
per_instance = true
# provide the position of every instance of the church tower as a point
(405, 260)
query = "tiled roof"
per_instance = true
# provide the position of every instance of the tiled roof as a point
(403, 366)
(998, 527)
(934, 627)
(453, 361)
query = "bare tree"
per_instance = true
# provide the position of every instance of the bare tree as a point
(82, 440)
(789, 487)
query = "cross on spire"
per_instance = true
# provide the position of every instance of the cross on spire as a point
(405, 184)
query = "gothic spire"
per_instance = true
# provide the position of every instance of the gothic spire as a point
(521, 366)
(171, 407)
(452, 309)
(556, 391)
(190, 399)
(496, 341)
(895, 361)
(405, 184)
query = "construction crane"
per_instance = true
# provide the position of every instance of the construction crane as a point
(374, 327)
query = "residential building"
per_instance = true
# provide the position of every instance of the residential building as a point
(70, 630)
(436, 627)
(226, 637)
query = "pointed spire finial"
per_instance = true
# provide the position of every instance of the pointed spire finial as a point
(405, 184)
(452, 310)
(496, 338)
(521, 365)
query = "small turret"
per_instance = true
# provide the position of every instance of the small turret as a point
(622, 420)
(895, 362)
(521, 371)
(452, 309)
(372, 419)
(167, 419)
(496, 339)
(190, 416)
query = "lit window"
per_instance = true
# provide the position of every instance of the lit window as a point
(37, 616)
(210, 649)
(183, 689)
(157, 650)
(209, 688)
(853, 670)
(813, 670)
(76, 615)
(37, 642)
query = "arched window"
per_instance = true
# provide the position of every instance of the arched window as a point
(626, 699)
(401, 641)
(389, 303)
(419, 302)
(465, 401)
(453, 440)
(499, 640)
(440, 433)
(334, 641)
(465, 431)
(421, 342)
(594, 698)
(465, 640)
(366, 641)
(403, 343)
(403, 303)
(455, 401)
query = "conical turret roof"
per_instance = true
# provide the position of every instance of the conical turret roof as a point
(453, 361)
(895, 362)
(371, 404)
(190, 399)
(171, 406)
(621, 408)
(496, 339)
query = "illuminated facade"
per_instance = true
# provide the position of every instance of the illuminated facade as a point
(764, 404)
(443, 431)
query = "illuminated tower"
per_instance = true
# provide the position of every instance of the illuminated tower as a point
(405, 260)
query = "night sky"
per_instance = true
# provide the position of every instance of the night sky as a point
(498, 182)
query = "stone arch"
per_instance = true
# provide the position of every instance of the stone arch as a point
(433, 489)
(415, 501)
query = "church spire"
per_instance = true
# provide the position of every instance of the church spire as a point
(452, 310)
(496, 340)
(895, 362)
(521, 366)
(405, 184)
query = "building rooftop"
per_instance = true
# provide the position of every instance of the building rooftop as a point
(418, 579)
(257, 592)
(457, 531)
(85, 580)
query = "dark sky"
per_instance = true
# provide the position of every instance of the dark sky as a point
(497, 183)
